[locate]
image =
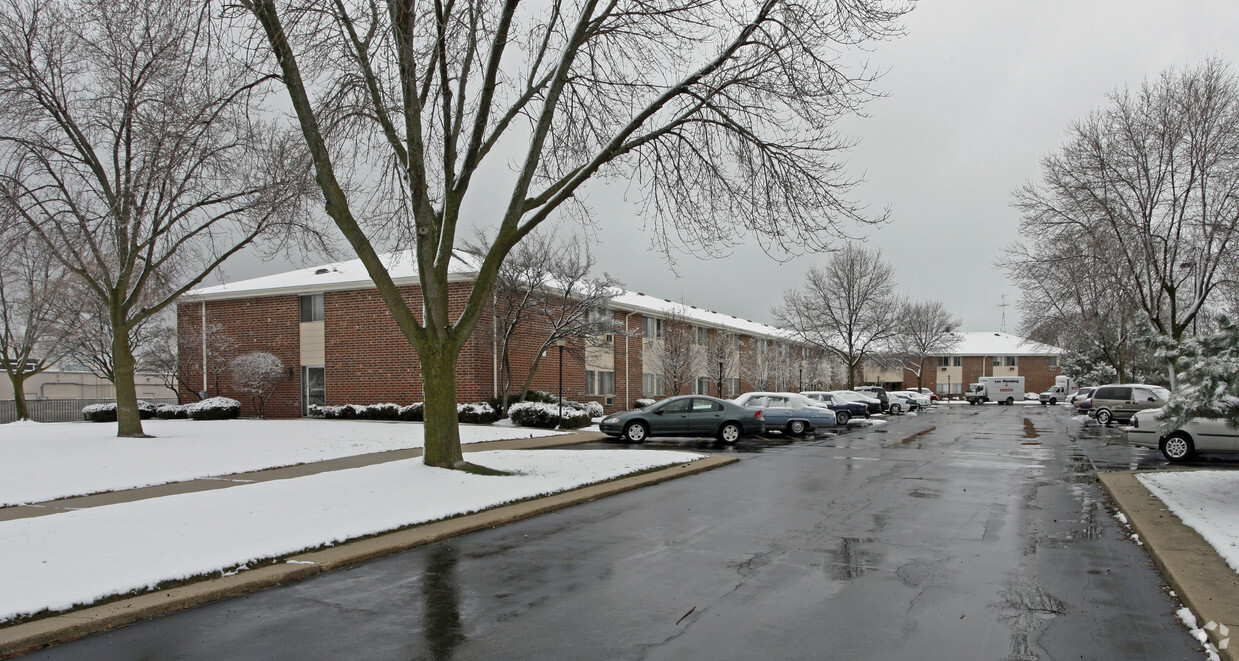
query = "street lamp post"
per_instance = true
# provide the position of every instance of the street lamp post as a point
(560, 343)
(720, 377)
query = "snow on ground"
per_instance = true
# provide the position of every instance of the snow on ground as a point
(55, 460)
(54, 562)
(1205, 502)
(866, 422)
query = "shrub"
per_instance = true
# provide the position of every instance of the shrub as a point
(412, 413)
(100, 413)
(387, 411)
(546, 416)
(215, 408)
(172, 412)
(478, 413)
(107, 412)
(644, 402)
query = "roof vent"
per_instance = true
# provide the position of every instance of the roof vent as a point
(322, 271)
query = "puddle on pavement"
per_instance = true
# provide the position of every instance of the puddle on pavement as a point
(1025, 608)
(911, 442)
(441, 621)
(851, 561)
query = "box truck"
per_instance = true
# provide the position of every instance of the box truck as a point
(1064, 387)
(1001, 389)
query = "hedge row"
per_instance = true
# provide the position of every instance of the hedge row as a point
(478, 413)
(215, 408)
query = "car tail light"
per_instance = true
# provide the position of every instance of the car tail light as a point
(1135, 421)
(757, 414)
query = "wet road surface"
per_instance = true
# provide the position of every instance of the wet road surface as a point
(963, 533)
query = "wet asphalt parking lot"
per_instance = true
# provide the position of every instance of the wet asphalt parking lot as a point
(961, 533)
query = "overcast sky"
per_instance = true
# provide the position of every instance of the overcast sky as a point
(978, 93)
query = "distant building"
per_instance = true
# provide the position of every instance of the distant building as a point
(335, 334)
(979, 354)
(75, 382)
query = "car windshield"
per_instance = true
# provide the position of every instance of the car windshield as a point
(1161, 393)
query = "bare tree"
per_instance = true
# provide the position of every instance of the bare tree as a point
(720, 115)
(220, 349)
(161, 356)
(36, 311)
(257, 374)
(722, 360)
(544, 290)
(676, 355)
(925, 329)
(131, 148)
(847, 308)
(1155, 176)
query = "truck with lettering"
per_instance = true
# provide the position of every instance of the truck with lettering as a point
(1001, 389)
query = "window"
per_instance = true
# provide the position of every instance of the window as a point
(590, 389)
(957, 361)
(652, 384)
(1010, 361)
(1053, 362)
(703, 385)
(703, 336)
(678, 406)
(997, 361)
(311, 308)
(944, 361)
(706, 406)
(653, 328)
(606, 383)
(733, 387)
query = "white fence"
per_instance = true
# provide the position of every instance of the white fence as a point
(59, 410)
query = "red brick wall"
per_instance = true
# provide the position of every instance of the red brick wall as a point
(269, 323)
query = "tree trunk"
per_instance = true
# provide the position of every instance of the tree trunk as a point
(128, 420)
(19, 395)
(442, 447)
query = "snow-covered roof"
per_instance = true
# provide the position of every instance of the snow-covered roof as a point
(403, 268)
(661, 307)
(329, 277)
(1000, 344)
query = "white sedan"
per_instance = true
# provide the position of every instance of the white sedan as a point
(922, 400)
(1182, 443)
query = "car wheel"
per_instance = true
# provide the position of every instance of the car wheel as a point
(636, 432)
(1104, 417)
(1178, 447)
(1053, 401)
(895, 409)
(797, 427)
(1010, 401)
(842, 417)
(729, 433)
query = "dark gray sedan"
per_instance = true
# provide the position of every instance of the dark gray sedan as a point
(686, 415)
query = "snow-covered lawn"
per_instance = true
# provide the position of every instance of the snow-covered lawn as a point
(1205, 502)
(46, 461)
(54, 562)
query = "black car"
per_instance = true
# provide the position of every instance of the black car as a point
(877, 392)
(686, 415)
(844, 410)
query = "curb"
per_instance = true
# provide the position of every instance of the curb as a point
(1194, 570)
(29, 636)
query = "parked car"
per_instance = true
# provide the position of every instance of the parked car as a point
(844, 410)
(933, 396)
(877, 392)
(899, 402)
(920, 401)
(1080, 395)
(1120, 401)
(794, 414)
(872, 404)
(686, 415)
(1182, 443)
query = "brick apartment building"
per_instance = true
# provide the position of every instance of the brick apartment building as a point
(980, 354)
(340, 345)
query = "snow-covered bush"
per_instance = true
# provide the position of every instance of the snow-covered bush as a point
(546, 416)
(257, 374)
(107, 412)
(594, 409)
(644, 402)
(478, 413)
(215, 408)
(386, 411)
(412, 413)
(172, 412)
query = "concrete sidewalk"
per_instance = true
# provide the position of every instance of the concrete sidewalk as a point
(21, 638)
(1200, 577)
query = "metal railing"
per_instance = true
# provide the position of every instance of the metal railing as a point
(61, 410)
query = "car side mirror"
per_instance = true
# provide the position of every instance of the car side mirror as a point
(658, 412)
(1152, 400)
